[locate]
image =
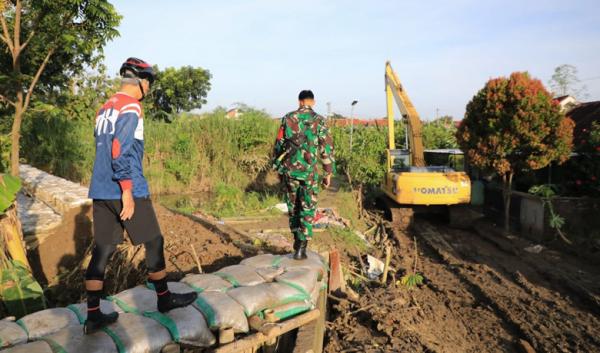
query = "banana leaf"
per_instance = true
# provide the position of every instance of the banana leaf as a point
(9, 186)
(20, 293)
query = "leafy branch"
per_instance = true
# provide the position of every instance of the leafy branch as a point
(413, 279)
(547, 192)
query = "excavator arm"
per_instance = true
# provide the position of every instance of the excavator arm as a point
(395, 91)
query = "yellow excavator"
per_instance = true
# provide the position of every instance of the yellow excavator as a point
(409, 184)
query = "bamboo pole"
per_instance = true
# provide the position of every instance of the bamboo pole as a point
(196, 258)
(388, 258)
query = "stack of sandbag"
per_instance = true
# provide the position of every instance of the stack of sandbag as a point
(226, 299)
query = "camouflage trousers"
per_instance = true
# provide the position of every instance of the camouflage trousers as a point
(301, 199)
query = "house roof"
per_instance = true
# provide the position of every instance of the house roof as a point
(584, 115)
(359, 122)
(562, 98)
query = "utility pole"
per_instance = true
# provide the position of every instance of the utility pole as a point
(437, 113)
(352, 122)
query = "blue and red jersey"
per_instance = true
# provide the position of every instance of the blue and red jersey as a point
(119, 134)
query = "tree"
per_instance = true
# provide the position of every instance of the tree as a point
(179, 90)
(513, 125)
(45, 42)
(440, 133)
(564, 82)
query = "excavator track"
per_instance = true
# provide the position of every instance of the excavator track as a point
(400, 216)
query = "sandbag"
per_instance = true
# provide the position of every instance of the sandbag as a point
(174, 287)
(191, 327)
(73, 340)
(240, 275)
(136, 300)
(314, 262)
(207, 283)
(265, 296)
(286, 311)
(264, 260)
(220, 311)
(46, 322)
(106, 307)
(269, 273)
(11, 334)
(304, 279)
(33, 347)
(138, 334)
(314, 294)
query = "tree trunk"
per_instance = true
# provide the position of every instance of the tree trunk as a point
(507, 193)
(16, 136)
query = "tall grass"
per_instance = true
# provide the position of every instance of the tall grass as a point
(194, 153)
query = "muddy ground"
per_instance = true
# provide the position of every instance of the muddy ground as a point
(482, 293)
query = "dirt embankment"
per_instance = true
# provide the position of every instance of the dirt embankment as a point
(482, 293)
(127, 267)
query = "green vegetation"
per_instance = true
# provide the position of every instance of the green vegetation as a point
(20, 293)
(9, 186)
(348, 237)
(229, 201)
(43, 45)
(178, 90)
(413, 279)
(547, 192)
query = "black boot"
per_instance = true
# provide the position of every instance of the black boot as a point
(296, 244)
(98, 321)
(172, 301)
(300, 252)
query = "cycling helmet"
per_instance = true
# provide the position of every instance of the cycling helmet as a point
(138, 68)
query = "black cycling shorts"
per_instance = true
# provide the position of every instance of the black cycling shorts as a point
(108, 226)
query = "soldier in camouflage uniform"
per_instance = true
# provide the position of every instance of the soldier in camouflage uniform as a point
(302, 140)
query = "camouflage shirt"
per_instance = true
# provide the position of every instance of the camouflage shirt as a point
(302, 140)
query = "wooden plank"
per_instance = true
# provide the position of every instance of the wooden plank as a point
(336, 277)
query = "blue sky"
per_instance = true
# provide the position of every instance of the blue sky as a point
(263, 52)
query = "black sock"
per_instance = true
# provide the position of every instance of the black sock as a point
(93, 304)
(161, 288)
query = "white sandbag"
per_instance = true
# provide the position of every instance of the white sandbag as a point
(11, 334)
(46, 322)
(265, 296)
(136, 300)
(73, 340)
(286, 311)
(179, 287)
(220, 311)
(269, 273)
(139, 334)
(304, 279)
(191, 327)
(240, 275)
(313, 261)
(314, 295)
(33, 347)
(207, 283)
(174, 287)
(254, 299)
(106, 307)
(264, 260)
